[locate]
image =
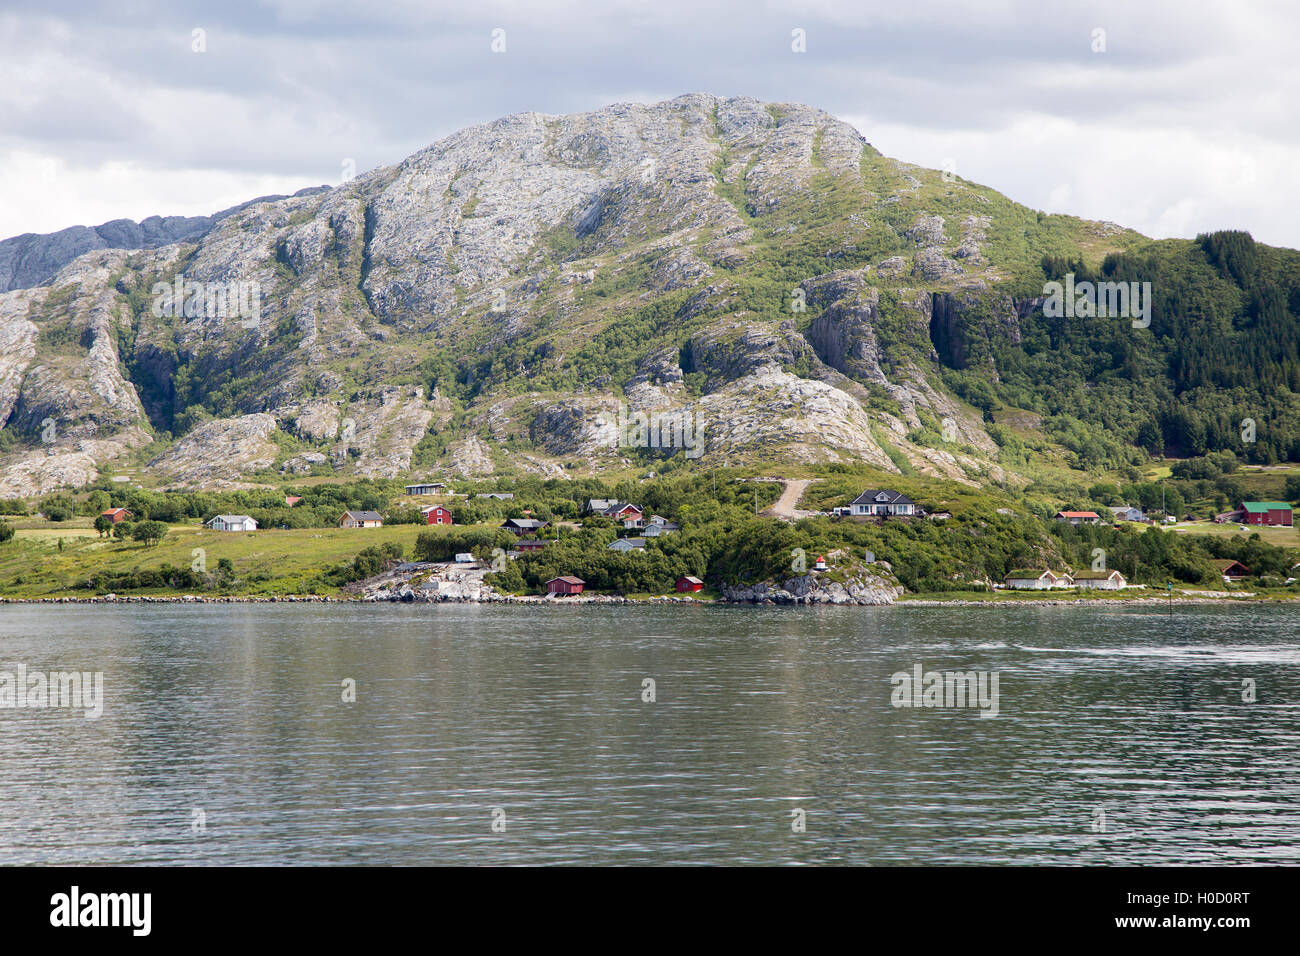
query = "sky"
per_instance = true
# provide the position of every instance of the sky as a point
(1172, 117)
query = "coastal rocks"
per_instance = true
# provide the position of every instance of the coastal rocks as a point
(862, 587)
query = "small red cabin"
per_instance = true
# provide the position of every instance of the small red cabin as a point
(566, 584)
(116, 514)
(532, 544)
(688, 582)
(438, 515)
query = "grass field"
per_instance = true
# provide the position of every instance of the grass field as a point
(266, 562)
(1280, 537)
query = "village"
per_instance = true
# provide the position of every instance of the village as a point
(462, 578)
(708, 536)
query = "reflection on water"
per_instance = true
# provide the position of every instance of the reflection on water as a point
(1122, 736)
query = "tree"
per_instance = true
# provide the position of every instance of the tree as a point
(103, 524)
(6, 531)
(122, 530)
(149, 532)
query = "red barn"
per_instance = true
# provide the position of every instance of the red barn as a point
(567, 584)
(688, 582)
(1266, 512)
(438, 515)
(116, 514)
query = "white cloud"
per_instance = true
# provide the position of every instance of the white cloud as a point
(1185, 123)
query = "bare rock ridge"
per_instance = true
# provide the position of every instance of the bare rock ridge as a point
(493, 301)
(32, 259)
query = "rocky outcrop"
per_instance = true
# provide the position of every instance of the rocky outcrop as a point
(220, 451)
(864, 587)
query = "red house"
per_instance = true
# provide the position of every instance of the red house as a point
(1266, 512)
(116, 514)
(688, 582)
(438, 515)
(566, 584)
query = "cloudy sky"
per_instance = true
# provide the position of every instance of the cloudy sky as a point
(1180, 117)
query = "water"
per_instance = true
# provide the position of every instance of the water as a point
(1122, 736)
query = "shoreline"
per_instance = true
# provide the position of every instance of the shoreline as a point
(596, 599)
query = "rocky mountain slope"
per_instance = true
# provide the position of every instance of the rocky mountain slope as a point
(506, 299)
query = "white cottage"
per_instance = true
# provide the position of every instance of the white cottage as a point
(233, 523)
(882, 502)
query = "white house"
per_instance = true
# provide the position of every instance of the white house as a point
(233, 523)
(1126, 513)
(1034, 580)
(1099, 580)
(882, 501)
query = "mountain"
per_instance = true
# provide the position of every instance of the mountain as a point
(501, 300)
(32, 259)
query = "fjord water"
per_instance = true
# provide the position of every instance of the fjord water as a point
(1121, 736)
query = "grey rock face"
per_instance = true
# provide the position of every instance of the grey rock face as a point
(32, 259)
(482, 265)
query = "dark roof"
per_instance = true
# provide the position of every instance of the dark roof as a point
(567, 579)
(868, 497)
(524, 523)
(363, 515)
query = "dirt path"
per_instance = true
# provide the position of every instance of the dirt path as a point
(784, 507)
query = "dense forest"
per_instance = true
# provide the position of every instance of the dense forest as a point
(1217, 370)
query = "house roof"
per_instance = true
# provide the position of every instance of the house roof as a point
(691, 578)
(620, 506)
(113, 511)
(1094, 575)
(292, 500)
(892, 497)
(231, 519)
(363, 515)
(1030, 574)
(1259, 507)
(625, 544)
(1077, 514)
(1223, 564)
(567, 579)
(524, 523)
